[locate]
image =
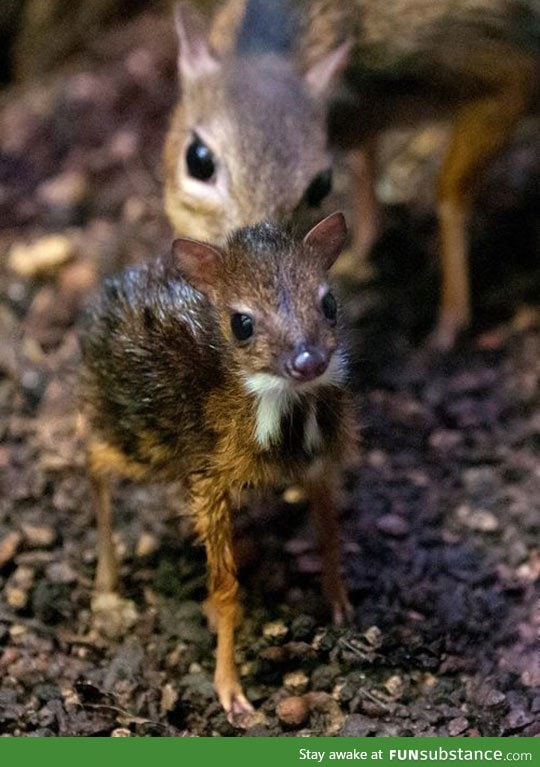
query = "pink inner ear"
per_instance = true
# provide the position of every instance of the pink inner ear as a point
(325, 71)
(195, 57)
(327, 238)
(197, 262)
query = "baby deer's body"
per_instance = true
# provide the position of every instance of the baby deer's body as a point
(222, 370)
(253, 115)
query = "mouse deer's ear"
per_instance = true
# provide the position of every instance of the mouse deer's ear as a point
(322, 74)
(226, 24)
(197, 262)
(327, 238)
(195, 56)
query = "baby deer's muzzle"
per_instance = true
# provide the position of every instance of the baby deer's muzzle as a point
(307, 363)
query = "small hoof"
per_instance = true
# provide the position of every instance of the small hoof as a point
(232, 698)
(240, 709)
(446, 333)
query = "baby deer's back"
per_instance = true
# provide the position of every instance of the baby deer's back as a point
(148, 363)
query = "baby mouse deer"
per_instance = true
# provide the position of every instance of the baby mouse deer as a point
(222, 368)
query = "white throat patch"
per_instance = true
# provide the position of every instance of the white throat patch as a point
(276, 397)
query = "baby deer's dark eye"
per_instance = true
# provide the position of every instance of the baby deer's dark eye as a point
(242, 326)
(320, 187)
(200, 160)
(329, 307)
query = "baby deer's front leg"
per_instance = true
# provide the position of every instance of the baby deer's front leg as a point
(323, 493)
(212, 509)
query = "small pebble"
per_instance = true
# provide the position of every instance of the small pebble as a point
(480, 480)
(274, 654)
(292, 711)
(323, 704)
(23, 577)
(394, 525)
(16, 597)
(294, 495)
(374, 636)
(445, 439)
(377, 458)
(394, 685)
(169, 696)
(477, 519)
(113, 616)
(78, 278)
(8, 546)
(253, 719)
(302, 627)
(121, 732)
(517, 718)
(44, 256)
(9, 655)
(297, 682)
(17, 630)
(275, 630)
(495, 698)
(458, 725)
(38, 536)
(61, 572)
(146, 545)
(373, 708)
(67, 190)
(323, 677)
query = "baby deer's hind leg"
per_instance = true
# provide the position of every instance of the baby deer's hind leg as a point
(323, 495)
(113, 616)
(106, 580)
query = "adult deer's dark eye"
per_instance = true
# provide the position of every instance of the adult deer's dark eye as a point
(320, 187)
(329, 307)
(200, 160)
(242, 326)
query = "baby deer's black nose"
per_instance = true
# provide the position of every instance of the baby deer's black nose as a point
(307, 363)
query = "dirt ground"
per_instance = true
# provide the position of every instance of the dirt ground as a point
(441, 519)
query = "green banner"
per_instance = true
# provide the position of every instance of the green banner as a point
(266, 752)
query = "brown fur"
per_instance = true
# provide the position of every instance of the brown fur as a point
(165, 396)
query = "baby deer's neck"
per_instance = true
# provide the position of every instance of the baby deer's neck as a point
(275, 397)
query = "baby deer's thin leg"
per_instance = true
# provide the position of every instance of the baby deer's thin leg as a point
(480, 131)
(323, 494)
(213, 524)
(107, 569)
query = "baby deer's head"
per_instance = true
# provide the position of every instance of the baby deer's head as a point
(277, 314)
(247, 142)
